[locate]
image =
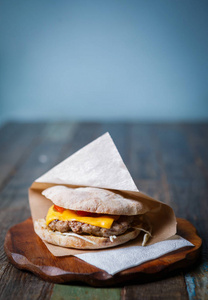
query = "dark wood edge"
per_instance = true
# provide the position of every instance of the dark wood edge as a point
(102, 278)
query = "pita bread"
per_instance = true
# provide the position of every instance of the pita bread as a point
(94, 200)
(77, 242)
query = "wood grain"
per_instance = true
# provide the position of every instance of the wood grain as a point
(167, 161)
(26, 251)
(14, 206)
(61, 292)
(17, 141)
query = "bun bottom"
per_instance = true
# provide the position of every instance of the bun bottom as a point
(76, 242)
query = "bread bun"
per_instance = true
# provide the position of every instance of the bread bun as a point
(94, 200)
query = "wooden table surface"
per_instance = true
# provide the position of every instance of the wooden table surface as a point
(167, 161)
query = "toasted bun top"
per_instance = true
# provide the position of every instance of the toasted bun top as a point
(94, 200)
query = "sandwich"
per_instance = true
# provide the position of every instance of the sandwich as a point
(92, 218)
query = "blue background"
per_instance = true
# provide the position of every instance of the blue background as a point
(104, 60)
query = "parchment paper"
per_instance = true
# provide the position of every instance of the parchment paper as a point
(99, 164)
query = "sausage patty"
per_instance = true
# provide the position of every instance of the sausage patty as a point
(119, 227)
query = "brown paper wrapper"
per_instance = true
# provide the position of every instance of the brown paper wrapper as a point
(99, 165)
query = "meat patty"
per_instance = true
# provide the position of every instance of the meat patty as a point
(119, 227)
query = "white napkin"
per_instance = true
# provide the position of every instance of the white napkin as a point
(116, 260)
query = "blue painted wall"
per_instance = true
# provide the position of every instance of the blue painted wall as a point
(92, 60)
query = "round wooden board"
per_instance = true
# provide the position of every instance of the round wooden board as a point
(26, 251)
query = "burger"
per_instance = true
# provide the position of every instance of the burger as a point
(91, 218)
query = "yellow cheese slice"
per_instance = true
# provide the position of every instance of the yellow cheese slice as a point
(104, 221)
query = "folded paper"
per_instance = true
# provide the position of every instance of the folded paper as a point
(98, 164)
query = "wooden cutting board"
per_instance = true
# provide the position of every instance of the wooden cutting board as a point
(26, 251)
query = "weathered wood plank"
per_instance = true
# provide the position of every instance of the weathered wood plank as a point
(171, 288)
(197, 137)
(73, 292)
(145, 163)
(19, 285)
(14, 206)
(169, 162)
(16, 142)
(188, 188)
(150, 175)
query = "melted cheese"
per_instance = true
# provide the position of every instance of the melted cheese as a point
(104, 221)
